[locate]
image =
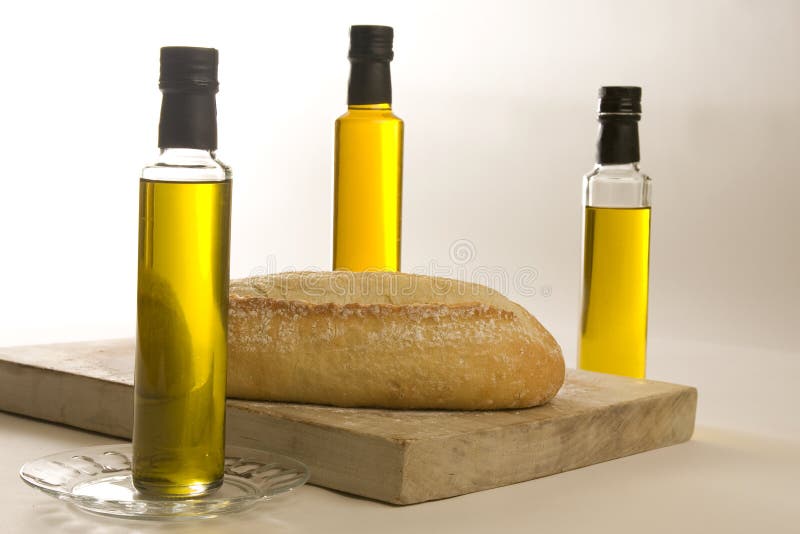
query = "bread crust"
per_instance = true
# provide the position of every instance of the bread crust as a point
(465, 348)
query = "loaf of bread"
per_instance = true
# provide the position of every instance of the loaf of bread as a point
(388, 340)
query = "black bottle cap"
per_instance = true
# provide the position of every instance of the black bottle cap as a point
(620, 111)
(620, 99)
(371, 42)
(188, 107)
(189, 69)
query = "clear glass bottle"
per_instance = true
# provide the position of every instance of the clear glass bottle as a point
(368, 164)
(616, 243)
(182, 294)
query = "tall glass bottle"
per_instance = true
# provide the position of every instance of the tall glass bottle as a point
(616, 243)
(182, 304)
(368, 164)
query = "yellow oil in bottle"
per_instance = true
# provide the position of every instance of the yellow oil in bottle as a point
(367, 189)
(181, 349)
(615, 285)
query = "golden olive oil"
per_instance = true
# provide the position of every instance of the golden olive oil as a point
(367, 189)
(182, 317)
(615, 285)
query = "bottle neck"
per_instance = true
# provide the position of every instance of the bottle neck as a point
(370, 107)
(618, 140)
(187, 157)
(618, 168)
(188, 120)
(370, 82)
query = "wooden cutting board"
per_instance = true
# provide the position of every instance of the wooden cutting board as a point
(401, 457)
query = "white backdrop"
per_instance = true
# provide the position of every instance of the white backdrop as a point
(499, 100)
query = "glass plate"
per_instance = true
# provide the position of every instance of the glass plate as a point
(98, 479)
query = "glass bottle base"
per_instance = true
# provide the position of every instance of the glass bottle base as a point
(172, 491)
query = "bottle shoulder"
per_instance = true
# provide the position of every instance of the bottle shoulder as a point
(187, 165)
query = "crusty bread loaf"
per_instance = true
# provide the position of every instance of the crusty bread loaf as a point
(388, 340)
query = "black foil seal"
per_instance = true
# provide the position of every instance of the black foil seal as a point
(189, 84)
(620, 109)
(370, 53)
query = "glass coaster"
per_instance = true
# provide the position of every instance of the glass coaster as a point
(98, 479)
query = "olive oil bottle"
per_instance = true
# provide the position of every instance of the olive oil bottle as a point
(616, 243)
(182, 304)
(368, 164)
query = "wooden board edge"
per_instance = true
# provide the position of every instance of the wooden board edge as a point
(368, 466)
(59, 397)
(677, 426)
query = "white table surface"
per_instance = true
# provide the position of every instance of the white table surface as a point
(739, 473)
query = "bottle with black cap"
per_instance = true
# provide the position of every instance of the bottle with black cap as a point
(616, 243)
(182, 298)
(368, 162)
